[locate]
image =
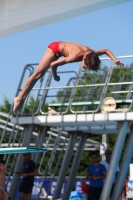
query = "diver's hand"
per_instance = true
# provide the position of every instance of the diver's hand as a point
(118, 62)
(57, 78)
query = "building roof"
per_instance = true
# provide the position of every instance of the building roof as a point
(21, 15)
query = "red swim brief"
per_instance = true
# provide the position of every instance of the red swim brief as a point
(54, 46)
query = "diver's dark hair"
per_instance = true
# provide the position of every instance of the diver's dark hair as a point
(92, 61)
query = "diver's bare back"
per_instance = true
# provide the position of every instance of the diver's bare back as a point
(68, 48)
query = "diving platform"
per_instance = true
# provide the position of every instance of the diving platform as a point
(92, 123)
(65, 117)
(14, 150)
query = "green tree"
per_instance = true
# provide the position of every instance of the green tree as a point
(6, 106)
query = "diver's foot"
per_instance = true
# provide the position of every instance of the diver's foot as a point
(18, 104)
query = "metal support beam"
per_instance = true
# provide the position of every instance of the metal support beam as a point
(75, 166)
(124, 166)
(114, 161)
(39, 142)
(19, 164)
(65, 165)
(104, 141)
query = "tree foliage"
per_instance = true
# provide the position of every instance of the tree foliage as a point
(6, 106)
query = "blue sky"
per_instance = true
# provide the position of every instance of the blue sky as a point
(108, 28)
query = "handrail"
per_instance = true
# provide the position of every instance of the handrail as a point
(80, 86)
(99, 95)
(86, 103)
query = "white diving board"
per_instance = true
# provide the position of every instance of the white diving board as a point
(12, 150)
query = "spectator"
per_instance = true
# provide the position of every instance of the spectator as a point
(96, 173)
(124, 190)
(106, 163)
(28, 173)
(3, 189)
(85, 188)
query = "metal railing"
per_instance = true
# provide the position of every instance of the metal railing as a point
(81, 86)
(94, 91)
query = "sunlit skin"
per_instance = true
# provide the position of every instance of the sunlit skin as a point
(70, 52)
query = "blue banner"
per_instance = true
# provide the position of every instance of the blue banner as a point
(38, 183)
